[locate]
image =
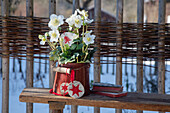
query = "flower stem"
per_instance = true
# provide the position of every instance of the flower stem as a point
(86, 48)
(51, 45)
(83, 37)
(85, 57)
(61, 45)
(86, 27)
(83, 27)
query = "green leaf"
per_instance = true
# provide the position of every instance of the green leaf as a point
(51, 58)
(67, 46)
(59, 28)
(73, 46)
(76, 40)
(58, 48)
(79, 46)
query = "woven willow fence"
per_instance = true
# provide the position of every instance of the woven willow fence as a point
(150, 33)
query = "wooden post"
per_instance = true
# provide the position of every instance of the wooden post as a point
(30, 59)
(52, 7)
(97, 15)
(76, 5)
(52, 10)
(57, 107)
(140, 11)
(119, 21)
(161, 45)
(5, 58)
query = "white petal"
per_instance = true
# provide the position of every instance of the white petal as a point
(42, 42)
(53, 16)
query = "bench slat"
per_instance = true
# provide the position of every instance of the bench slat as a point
(135, 101)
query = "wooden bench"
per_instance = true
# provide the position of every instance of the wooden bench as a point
(134, 101)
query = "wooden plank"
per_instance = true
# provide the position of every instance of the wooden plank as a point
(74, 108)
(52, 7)
(119, 21)
(161, 44)
(5, 57)
(97, 44)
(52, 10)
(119, 16)
(135, 101)
(97, 66)
(29, 63)
(140, 10)
(57, 105)
(140, 13)
(51, 74)
(76, 5)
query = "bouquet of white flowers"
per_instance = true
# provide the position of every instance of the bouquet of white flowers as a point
(71, 46)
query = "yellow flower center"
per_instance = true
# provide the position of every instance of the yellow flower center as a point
(44, 39)
(77, 21)
(55, 22)
(88, 39)
(40, 36)
(53, 35)
(86, 14)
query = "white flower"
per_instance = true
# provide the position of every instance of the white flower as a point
(88, 39)
(55, 21)
(87, 32)
(78, 21)
(74, 20)
(54, 35)
(71, 19)
(88, 21)
(46, 34)
(83, 13)
(68, 37)
(74, 36)
(43, 39)
(40, 36)
(70, 28)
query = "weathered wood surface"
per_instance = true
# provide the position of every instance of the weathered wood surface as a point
(119, 16)
(57, 105)
(18, 29)
(51, 74)
(52, 7)
(5, 58)
(161, 45)
(52, 10)
(76, 5)
(119, 21)
(140, 10)
(135, 101)
(97, 66)
(30, 45)
(140, 18)
(97, 15)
